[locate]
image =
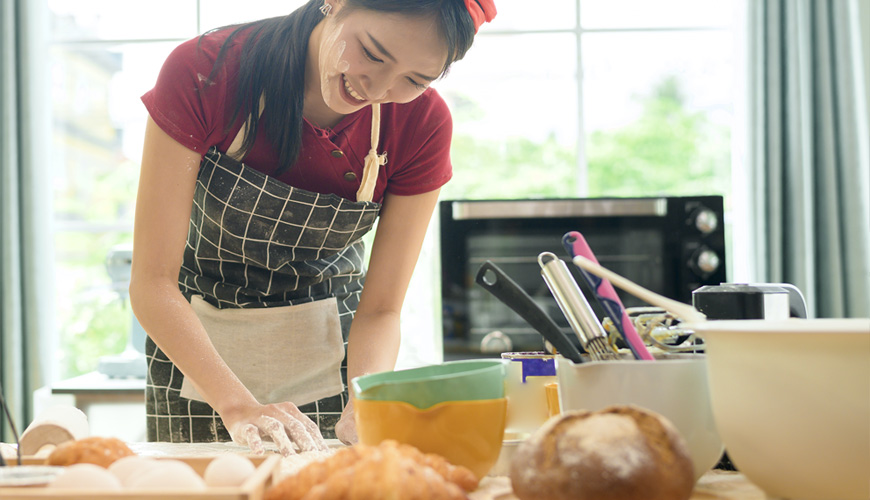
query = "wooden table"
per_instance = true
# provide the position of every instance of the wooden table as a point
(714, 485)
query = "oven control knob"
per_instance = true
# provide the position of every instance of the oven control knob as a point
(496, 342)
(706, 220)
(705, 261)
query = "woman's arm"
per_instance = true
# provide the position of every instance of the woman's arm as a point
(373, 342)
(163, 205)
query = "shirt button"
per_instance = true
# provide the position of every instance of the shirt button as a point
(337, 153)
(349, 176)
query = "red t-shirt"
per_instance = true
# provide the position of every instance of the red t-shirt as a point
(193, 111)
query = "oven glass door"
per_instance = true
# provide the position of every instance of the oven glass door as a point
(632, 247)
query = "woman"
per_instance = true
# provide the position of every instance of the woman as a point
(265, 161)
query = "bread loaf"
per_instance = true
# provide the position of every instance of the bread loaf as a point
(100, 451)
(618, 453)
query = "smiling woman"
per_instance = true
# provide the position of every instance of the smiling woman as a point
(258, 302)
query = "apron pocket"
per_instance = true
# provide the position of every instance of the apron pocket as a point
(288, 353)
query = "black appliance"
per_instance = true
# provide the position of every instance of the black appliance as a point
(671, 245)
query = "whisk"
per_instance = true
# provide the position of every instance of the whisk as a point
(576, 308)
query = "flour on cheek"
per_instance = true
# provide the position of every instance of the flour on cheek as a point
(332, 63)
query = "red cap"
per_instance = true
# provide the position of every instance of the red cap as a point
(481, 11)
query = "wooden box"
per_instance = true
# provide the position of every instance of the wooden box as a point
(254, 488)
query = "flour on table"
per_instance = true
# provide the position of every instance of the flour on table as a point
(294, 463)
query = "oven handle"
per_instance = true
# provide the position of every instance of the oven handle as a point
(495, 281)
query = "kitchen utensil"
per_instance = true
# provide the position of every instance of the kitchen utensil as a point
(675, 386)
(791, 399)
(494, 280)
(684, 311)
(467, 433)
(576, 245)
(575, 307)
(661, 329)
(426, 386)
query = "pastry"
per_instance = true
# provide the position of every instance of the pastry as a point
(100, 451)
(387, 471)
(618, 453)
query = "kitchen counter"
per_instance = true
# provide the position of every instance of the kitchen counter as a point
(714, 485)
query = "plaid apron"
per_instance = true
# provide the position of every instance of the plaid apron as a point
(255, 242)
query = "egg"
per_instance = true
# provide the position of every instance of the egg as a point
(127, 469)
(168, 475)
(85, 477)
(228, 470)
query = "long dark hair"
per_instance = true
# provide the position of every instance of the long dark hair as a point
(273, 64)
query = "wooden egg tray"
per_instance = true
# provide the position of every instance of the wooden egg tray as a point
(254, 488)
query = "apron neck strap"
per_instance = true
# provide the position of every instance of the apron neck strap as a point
(373, 161)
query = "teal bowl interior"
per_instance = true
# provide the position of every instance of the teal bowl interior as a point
(464, 380)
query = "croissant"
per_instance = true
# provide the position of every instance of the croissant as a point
(389, 471)
(458, 475)
(96, 450)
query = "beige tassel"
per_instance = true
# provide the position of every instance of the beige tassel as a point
(373, 161)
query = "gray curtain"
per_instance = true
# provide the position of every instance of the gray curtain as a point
(25, 211)
(811, 168)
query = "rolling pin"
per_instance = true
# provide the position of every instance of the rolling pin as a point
(52, 428)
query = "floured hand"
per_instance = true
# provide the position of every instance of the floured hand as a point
(281, 423)
(345, 429)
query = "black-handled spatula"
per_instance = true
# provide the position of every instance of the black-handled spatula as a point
(495, 281)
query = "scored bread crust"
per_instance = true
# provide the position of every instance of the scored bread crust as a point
(618, 453)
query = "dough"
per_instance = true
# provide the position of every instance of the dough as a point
(618, 453)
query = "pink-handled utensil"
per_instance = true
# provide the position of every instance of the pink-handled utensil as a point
(576, 245)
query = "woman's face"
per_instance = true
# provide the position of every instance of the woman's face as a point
(368, 57)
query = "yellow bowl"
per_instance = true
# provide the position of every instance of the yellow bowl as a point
(467, 433)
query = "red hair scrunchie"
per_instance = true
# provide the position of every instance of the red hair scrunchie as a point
(481, 11)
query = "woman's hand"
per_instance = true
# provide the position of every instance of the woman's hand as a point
(281, 423)
(345, 429)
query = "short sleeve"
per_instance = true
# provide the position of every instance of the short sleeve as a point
(188, 102)
(428, 165)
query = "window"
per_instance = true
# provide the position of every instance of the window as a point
(557, 99)
(103, 56)
(596, 98)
